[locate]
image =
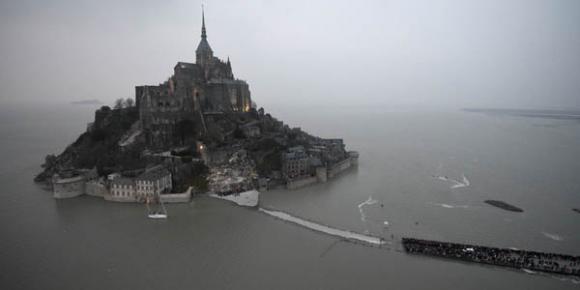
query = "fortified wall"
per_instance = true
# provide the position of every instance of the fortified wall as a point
(68, 187)
(95, 188)
(341, 166)
(325, 173)
(177, 197)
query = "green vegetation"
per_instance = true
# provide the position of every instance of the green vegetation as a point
(196, 177)
(98, 147)
(270, 162)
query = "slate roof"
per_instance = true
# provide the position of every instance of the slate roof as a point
(185, 65)
(123, 181)
(154, 174)
(203, 46)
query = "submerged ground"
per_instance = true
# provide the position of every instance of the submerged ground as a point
(90, 244)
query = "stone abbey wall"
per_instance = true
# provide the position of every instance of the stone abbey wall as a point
(339, 167)
(177, 197)
(94, 188)
(298, 183)
(323, 173)
(76, 186)
(110, 197)
(68, 187)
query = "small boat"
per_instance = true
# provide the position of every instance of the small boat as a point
(157, 215)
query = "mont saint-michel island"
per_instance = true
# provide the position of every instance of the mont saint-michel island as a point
(197, 132)
(289, 145)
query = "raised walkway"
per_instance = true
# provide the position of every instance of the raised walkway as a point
(512, 258)
(344, 234)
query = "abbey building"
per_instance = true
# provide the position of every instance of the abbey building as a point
(204, 87)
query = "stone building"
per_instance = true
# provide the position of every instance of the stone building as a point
(331, 151)
(177, 105)
(251, 129)
(295, 163)
(68, 186)
(153, 182)
(123, 189)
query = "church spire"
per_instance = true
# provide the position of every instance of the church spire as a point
(203, 34)
(203, 53)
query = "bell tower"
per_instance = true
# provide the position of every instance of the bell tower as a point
(203, 53)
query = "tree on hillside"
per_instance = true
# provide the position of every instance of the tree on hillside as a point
(49, 161)
(129, 102)
(119, 103)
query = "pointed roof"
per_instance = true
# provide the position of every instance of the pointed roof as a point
(203, 44)
(203, 34)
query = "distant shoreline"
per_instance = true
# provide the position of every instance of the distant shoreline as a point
(548, 114)
(87, 102)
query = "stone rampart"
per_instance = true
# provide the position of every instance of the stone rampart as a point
(110, 197)
(339, 167)
(177, 197)
(298, 183)
(95, 188)
(68, 187)
(323, 173)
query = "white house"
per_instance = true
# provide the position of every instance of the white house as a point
(153, 182)
(123, 189)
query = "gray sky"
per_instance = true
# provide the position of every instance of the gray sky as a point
(447, 53)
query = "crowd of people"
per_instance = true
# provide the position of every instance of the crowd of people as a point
(521, 259)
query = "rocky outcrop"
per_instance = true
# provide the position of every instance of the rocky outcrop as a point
(99, 146)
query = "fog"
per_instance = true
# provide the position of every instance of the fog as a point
(441, 54)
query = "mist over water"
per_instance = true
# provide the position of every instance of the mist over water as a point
(91, 244)
(446, 53)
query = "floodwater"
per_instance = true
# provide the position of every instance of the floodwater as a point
(87, 243)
